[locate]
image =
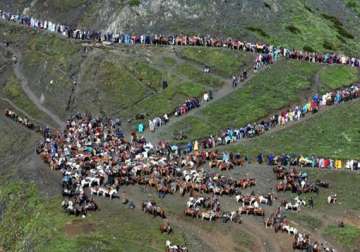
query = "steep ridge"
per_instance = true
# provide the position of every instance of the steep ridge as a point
(27, 90)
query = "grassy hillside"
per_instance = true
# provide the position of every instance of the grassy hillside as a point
(275, 88)
(323, 218)
(42, 226)
(123, 81)
(310, 24)
(335, 133)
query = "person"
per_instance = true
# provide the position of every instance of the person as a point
(196, 147)
(311, 202)
(260, 158)
(206, 97)
(131, 205)
(189, 147)
(141, 127)
(210, 95)
(166, 118)
(234, 84)
(165, 84)
(151, 126)
(206, 69)
(341, 224)
(245, 74)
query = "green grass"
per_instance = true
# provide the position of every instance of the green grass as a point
(305, 220)
(13, 91)
(258, 31)
(190, 126)
(348, 237)
(32, 223)
(261, 96)
(222, 61)
(319, 31)
(353, 5)
(26, 221)
(46, 57)
(169, 61)
(335, 133)
(134, 3)
(118, 85)
(146, 74)
(337, 76)
(344, 184)
(198, 76)
(166, 101)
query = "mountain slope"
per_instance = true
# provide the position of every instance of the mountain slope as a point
(310, 24)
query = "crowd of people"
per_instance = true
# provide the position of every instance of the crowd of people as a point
(313, 105)
(96, 159)
(268, 53)
(301, 241)
(310, 161)
(19, 119)
(189, 104)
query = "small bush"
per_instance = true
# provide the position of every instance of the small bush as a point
(267, 5)
(293, 29)
(329, 45)
(134, 3)
(308, 49)
(341, 39)
(258, 31)
(351, 4)
(332, 19)
(338, 25)
(309, 9)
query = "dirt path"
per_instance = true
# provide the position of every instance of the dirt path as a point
(25, 86)
(226, 90)
(307, 117)
(268, 244)
(19, 109)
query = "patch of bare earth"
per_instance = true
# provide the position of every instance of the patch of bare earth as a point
(77, 227)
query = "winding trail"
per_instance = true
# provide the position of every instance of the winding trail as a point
(226, 90)
(307, 117)
(27, 90)
(19, 109)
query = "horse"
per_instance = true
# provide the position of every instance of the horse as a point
(269, 222)
(259, 211)
(299, 201)
(165, 228)
(294, 207)
(208, 215)
(174, 248)
(191, 212)
(235, 217)
(322, 183)
(331, 199)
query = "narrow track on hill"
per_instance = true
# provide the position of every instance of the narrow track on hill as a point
(26, 88)
(307, 117)
(18, 109)
(226, 90)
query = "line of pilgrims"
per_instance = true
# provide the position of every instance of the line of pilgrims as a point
(267, 53)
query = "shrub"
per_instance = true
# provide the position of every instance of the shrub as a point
(329, 45)
(338, 25)
(308, 49)
(267, 5)
(293, 29)
(258, 31)
(134, 3)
